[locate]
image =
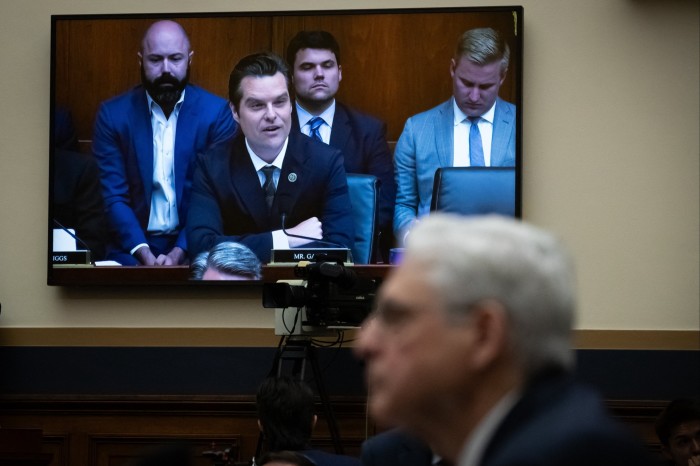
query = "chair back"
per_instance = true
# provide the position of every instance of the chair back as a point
(364, 196)
(475, 190)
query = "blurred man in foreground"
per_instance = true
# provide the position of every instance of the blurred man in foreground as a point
(470, 349)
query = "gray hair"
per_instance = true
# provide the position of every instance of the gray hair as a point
(527, 270)
(483, 46)
(228, 257)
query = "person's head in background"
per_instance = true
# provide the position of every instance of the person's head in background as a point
(226, 261)
(478, 70)
(165, 59)
(285, 413)
(678, 430)
(283, 458)
(477, 308)
(314, 57)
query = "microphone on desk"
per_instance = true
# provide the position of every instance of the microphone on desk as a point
(73, 235)
(83, 244)
(284, 207)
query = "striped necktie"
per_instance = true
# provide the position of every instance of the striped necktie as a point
(476, 150)
(314, 125)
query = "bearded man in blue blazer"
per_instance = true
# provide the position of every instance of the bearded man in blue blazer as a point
(314, 59)
(271, 188)
(145, 142)
(473, 128)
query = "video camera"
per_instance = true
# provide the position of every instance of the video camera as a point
(333, 295)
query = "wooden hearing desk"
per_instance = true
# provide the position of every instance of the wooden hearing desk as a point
(22, 447)
(176, 276)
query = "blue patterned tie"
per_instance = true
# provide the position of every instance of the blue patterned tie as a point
(476, 150)
(269, 185)
(314, 124)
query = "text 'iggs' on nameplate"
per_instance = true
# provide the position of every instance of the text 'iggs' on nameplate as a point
(80, 257)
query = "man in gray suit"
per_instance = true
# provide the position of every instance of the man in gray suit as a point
(473, 128)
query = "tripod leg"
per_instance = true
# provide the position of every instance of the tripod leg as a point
(325, 401)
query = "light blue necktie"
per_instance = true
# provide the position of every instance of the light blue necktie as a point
(476, 150)
(314, 125)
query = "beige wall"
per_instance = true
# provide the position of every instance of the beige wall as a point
(611, 162)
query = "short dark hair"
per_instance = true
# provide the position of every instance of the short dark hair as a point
(676, 413)
(286, 411)
(284, 456)
(257, 64)
(322, 40)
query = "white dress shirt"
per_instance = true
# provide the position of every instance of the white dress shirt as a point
(473, 449)
(324, 129)
(163, 218)
(461, 135)
(279, 239)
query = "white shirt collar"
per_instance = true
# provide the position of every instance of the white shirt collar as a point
(460, 117)
(473, 450)
(305, 116)
(258, 163)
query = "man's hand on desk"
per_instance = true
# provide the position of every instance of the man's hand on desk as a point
(310, 227)
(145, 256)
(175, 257)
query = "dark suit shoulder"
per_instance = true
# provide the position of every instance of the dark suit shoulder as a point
(358, 116)
(201, 93)
(304, 148)
(322, 458)
(395, 447)
(559, 421)
(225, 149)
(217, 159)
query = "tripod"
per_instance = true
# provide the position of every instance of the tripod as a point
(291, 359)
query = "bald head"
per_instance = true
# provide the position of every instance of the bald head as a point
(165, 59)
(165, 31)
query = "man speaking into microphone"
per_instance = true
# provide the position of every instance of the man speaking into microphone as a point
(268, 189)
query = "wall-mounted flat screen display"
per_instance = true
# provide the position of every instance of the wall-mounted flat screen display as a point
(198, 148)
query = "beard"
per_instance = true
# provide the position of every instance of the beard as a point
(166, 89)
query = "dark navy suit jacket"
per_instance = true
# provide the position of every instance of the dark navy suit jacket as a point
(123, 146)
(395, 448)
(559, 422)
(77, 199)
(362, 140)
(228, 203)
(322, 458)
